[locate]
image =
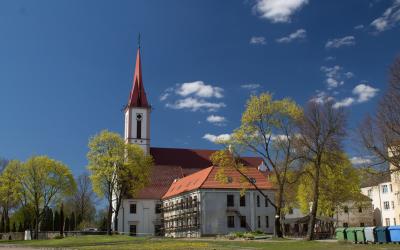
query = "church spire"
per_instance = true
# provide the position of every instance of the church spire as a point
(137, 97)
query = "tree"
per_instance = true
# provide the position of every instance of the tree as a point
(322, 130)
(20, 227)
(67, 224)
(339, 183)
(83, 200)
(117, 169)
(380, 132)
(14, 228)
(62, 220)
(9, 189)
(56, 225)
(268, 129)
(72, 222)
(44, 181)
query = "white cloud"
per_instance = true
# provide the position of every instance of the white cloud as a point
(217, 138)
(258, 40)
(216, 119)
(364, 92)
(344, 103)
(298, 34)
(250, 86)
(321, 97)
(278, 10)
(334, 76)
(199, 89)
(330, 58)
(357, 160)
(389, 19)
(339, 42)
(164, 96)
(358, 27)
(195, 104)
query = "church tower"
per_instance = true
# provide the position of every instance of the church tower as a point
(137, 111)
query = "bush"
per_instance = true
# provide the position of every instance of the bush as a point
(58, 237)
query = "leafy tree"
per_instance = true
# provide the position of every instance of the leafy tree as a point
(44, 181)
(2, 226)
(20, 227)
(83, 201)
(268, 129)
(67, 224)
(117, 169)
(339, 183)
(322, 130)
(9, 189)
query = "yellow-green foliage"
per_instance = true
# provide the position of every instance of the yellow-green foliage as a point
(339, 182)
(113, 164)
(9, 184)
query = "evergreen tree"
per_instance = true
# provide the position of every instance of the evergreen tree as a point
(72, 222)
(62, 219)
(14, 228)
(20, 227)
(67, 226)
(56, 224)
(50, 222)
(7, 229)
(2, 224)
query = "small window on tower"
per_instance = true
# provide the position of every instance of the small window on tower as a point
(139, 126)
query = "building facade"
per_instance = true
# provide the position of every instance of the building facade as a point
(197, 205)
(143, 214)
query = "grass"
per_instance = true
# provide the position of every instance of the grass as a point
(119, 242)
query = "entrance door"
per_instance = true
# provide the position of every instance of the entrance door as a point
(132, 230)
(147, 222)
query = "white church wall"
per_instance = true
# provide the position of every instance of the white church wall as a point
(145, 217)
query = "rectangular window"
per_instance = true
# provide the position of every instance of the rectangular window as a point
(391, 188)
(231, 221)
(229, 200)
(386, 205)
(384, 189)
(266, 201)
(394, 221)
(267, 221)
(258, 201)
(132, 230)
(132, 209)
(346, 209)
(243, 201)
(158, 208)
(243, 221)
(360, 209)
(387, 220)
(392, 204)
(258, 221)
(139, 129)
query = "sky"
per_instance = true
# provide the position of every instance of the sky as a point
(66, 67)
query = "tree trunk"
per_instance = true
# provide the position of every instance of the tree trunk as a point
(313, 213)
(278, 219)
(36, 236)
(109, 215)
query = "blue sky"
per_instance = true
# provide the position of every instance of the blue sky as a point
(66, 66)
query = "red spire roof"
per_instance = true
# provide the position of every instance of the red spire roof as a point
(137, 97)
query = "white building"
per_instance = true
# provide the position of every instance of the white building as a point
(141, 215)
(198, 205)
(384, 201)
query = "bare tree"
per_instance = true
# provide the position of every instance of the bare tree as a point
(380, 133)
(322, 130)
(84, 199)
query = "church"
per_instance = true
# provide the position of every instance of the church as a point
(183, 199)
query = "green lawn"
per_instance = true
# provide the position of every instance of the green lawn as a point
(126, 242)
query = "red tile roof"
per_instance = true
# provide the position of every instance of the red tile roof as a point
(137, 97)
(205, 179)
(176, 163)
(191, 158)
